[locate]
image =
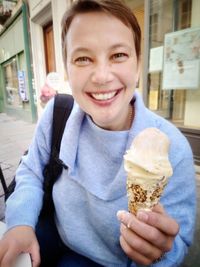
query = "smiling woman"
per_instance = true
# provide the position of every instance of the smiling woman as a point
(101, 52)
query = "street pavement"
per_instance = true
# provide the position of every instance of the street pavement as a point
(15, 137)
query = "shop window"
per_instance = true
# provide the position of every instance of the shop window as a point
(11, 83)
(167, 17)
(174, 66)
(161, 22)
(154, 27)
(15, 80)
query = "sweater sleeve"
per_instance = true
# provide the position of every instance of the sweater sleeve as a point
(24, 205)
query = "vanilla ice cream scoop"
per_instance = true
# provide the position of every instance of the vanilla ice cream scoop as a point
(148, 169)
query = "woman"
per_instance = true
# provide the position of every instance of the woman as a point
(101, 50)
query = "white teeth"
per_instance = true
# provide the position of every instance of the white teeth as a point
(105, 96)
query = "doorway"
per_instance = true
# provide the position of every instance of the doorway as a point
(49, 48)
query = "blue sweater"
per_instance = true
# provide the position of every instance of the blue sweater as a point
(88, 195)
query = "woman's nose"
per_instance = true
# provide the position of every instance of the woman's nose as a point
(102, 74)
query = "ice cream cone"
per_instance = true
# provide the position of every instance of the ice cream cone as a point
(148, 169)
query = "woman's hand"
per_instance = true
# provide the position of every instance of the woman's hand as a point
(147, 236)
(17, 240)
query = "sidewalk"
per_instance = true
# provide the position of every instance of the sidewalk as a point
(15, 137)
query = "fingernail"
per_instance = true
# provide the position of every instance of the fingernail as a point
(142, 216)
(121, 214)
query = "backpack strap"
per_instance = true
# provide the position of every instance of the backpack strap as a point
(62, 108)
(63, 104)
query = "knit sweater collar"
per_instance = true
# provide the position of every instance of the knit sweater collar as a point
(71, 134)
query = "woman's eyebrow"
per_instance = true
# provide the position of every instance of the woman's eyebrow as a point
(120, 45)
(80, 49)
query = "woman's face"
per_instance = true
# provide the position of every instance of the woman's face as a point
(102, 67)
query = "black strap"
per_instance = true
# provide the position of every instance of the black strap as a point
(3, 182)
(62, 108)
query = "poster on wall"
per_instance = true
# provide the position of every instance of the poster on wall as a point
(182, 60)
(22, 85)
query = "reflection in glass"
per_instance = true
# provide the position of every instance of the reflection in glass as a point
(11, 83)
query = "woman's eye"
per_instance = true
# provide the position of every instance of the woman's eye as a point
(119, 57)
(82, 61)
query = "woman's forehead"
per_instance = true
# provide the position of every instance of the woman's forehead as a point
(92, 26)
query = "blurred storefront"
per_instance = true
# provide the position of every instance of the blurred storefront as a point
(16, 94)
(171, 63)
(174, 65)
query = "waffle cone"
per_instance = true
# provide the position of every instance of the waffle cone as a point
(143, 196)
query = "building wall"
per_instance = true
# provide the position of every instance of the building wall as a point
(41, 13)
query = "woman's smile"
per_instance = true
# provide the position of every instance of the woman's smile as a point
(104, 97)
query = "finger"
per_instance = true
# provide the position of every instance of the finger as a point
(139, 244)
(35, 261)
(159, 208)
(127, 218)
(134, 255)
(149, 233)
(162, 221)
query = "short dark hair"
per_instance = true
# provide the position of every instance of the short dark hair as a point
(116, 8)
